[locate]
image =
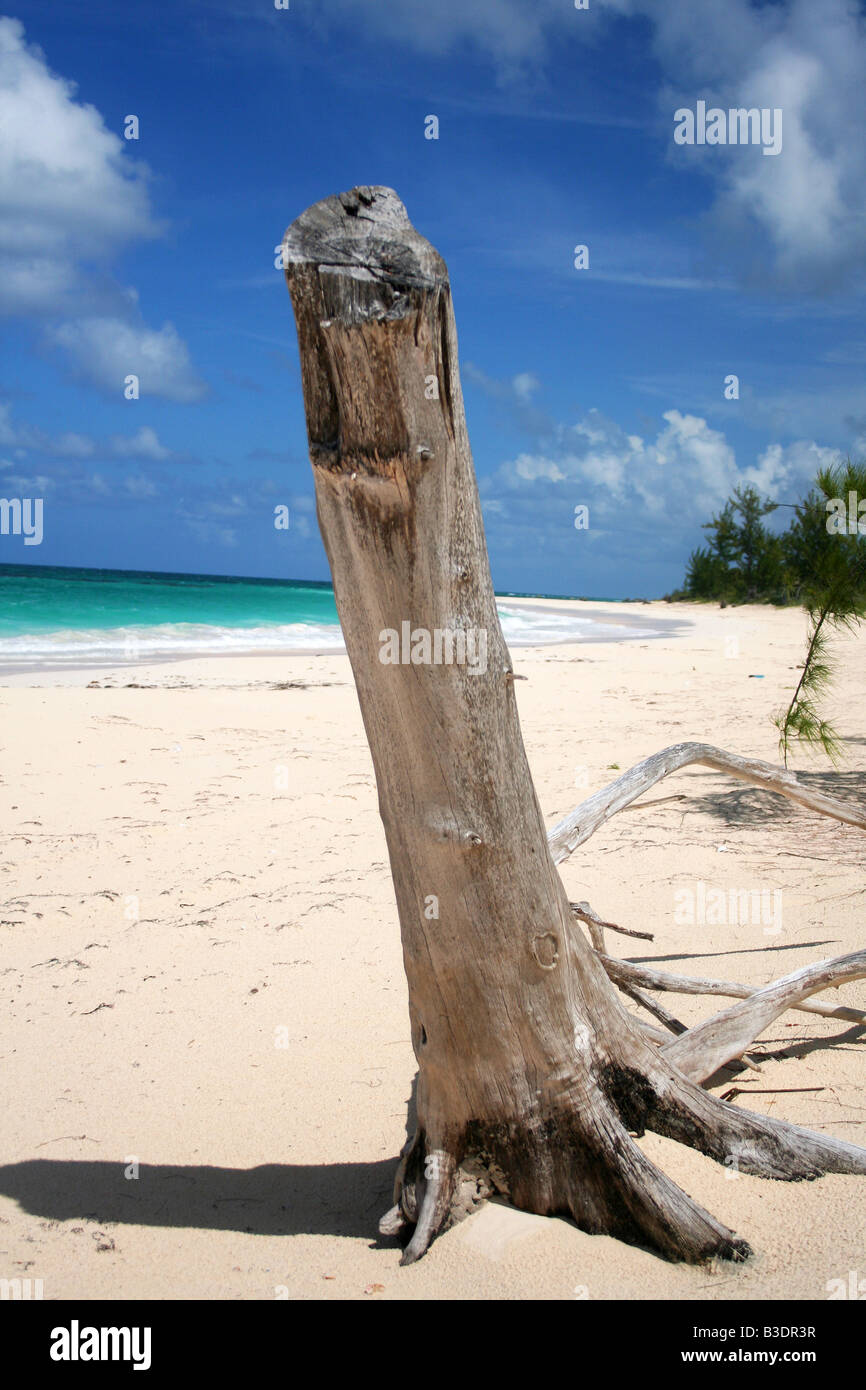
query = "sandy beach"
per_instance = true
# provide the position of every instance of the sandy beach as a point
(205, 1041)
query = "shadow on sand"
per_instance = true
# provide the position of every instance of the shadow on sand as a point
(275, 1199)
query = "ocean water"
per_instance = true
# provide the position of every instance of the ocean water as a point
(51, 616)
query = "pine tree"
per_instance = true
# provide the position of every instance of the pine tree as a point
(829, 565)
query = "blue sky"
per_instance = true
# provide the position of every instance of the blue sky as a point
(603, 387)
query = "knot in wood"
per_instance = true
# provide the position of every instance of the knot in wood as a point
(545, 950)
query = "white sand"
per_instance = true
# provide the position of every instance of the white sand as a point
(190, 868)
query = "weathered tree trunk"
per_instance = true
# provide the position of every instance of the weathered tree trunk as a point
(531, 1073)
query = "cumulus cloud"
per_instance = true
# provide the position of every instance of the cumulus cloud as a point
(530, 467)
(647, 497)
(72, 197)
(680, 476)
(810, 200)
(144, 444)
(25, 438)
(104, 351)
(791, 466)
(69, 191)
(798, 219)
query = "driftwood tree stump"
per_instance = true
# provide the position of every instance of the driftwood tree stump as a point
(533, 1078)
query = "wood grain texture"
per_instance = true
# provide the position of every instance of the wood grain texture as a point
(715, 1041)
(532, 1076)
(575, 828)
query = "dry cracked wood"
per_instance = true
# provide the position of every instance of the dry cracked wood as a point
(647, 977)
(597, 926)
(701, 1050)
(576, 828)
(532, 1075)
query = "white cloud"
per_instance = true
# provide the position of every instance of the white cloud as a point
(28, 484)
(698, 458)
(71, 445)
(530, 467)
(106, 350)
(235, 505)
(794, 466)
(68, 189)
(806, 58)
(515, 394)
(144, 444)
(71, 197)
(683, 475)
(31, 284)
(524, 385)
(8, 431)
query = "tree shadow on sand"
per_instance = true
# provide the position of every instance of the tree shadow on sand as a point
(274, 1199)
(751, 806)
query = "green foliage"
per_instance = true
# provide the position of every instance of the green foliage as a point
(829, 561)
(742, 561)
(707, 575)
(819, 562)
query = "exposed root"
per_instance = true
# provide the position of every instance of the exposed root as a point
(404, 1184)
(600, 1177)
(664, 1217)
(752, 1143)
(594, 1173)
(437, 1189)
(625, 972)
(577, 827)
(701, 1050)
(424, 1187)
(393, 1222)
(673, 1025)
(655, 1035)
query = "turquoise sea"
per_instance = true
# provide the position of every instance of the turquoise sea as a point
(52, 616)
